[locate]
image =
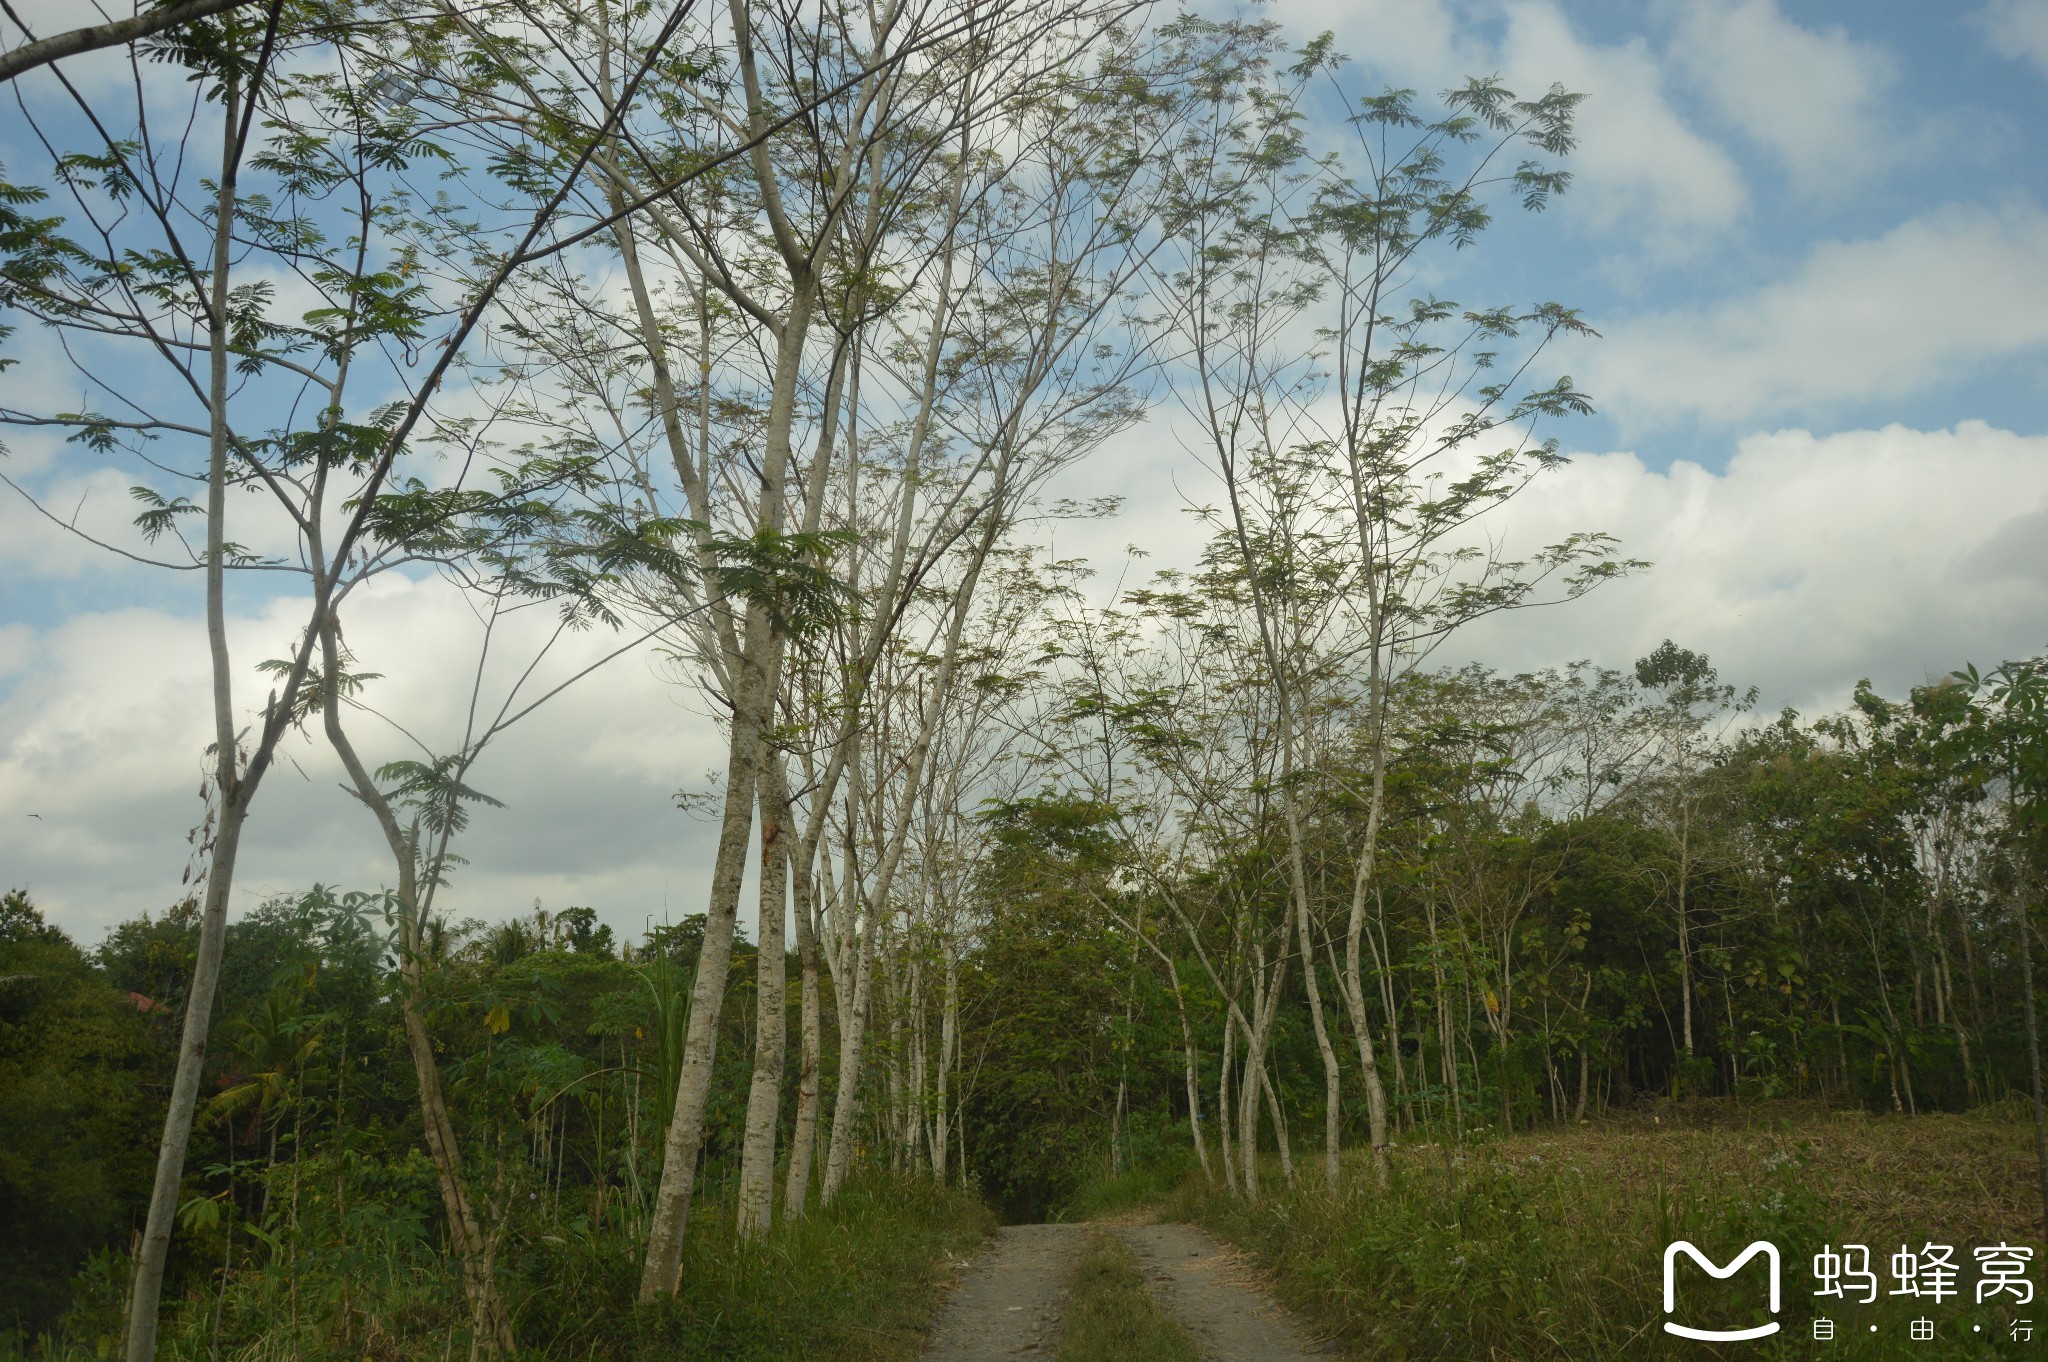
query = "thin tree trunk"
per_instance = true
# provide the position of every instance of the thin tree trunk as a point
(662, 1275)
(1297, 875)
(1685, 929)
(475, 1248)
(1386, 991)
(1223, 1133)
(852, 1033)
(915, 1025)
(1120, 1116)
(1352, 982)
(146, 1287)
(804, 1137)
(1332, 1109)
(949, 1055)
(771, 1042)
(898, 1122)
(1380, 660)
(1194, 1077)
(1256, 1083)
(753, 679)
(1248, 1124)
(1280, 1136)
(912, 774)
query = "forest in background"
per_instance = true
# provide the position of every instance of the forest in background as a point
(1045, 1014)
(764, 338)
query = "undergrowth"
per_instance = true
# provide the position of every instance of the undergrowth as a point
(1143, 1185)
(855, 1282)
(1110, 1316)
(1551, 1246)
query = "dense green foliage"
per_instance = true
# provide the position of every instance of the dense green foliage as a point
(1851, 890)
(310, 1222)
(1060, 1026)
(76, 1059)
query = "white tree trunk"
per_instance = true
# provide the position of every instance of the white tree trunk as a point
(949, 1056)
(146, 1286)
(804, 1136)
(1225, 1144)
(852, 1033)
(475, 1245)
(764, 1096)
(662, 1275)
(1194, 1076)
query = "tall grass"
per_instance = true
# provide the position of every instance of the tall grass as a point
(1111, 1316)
(1141, 1185)
(1551, 1247)
(856, 1282)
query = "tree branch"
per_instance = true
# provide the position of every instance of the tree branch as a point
(91, 38)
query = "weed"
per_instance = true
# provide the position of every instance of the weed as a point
(855, 1282)
(1111, 1316)
(1551, 1246)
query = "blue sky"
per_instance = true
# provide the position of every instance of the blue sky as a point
(1730, 152)
(1815, 237)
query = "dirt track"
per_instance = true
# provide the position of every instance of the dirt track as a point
(1008, 1301)
(1007, 1304)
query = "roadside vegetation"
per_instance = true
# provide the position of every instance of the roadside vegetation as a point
(1110, 1314)
(310, 1231)
(1548, 1244)
(771, 336)
(860, 1282)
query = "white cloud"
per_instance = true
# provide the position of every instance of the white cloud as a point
(1811, 98)
(103, 726)
(95, 71)
(15, 641)
(1422, 40)
(1810, 562)
(1892, 314)
(1639, 167)
(2018, 29)
(95, 502)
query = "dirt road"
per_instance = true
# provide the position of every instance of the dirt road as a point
(1007, 1304)
(1008, 1301)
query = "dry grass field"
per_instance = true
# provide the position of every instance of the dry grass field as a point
(1550, 1245)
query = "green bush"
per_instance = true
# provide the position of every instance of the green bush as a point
(856, 1282)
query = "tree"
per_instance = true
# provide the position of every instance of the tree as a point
(33, 52)
(2009, 738)
(76, 1053)
(1693, 712)
(1354, 472)
(132, 291)
(926, 290)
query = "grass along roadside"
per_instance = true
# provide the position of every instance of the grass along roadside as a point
(1550, 1246)
(858, 1281)
(861, 1280)
(1111, 1316)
